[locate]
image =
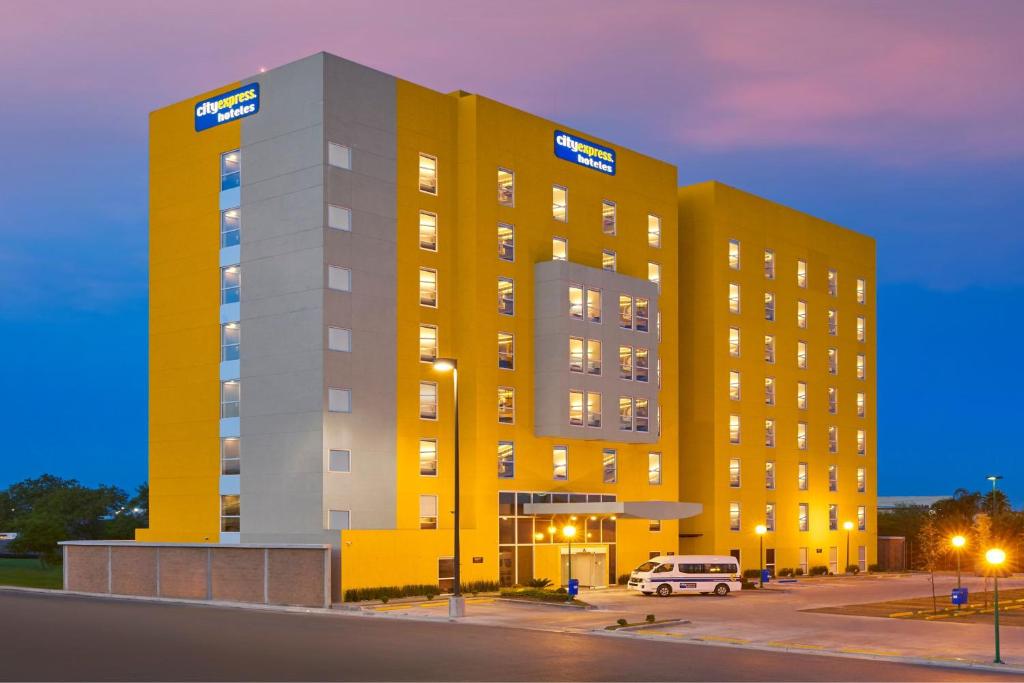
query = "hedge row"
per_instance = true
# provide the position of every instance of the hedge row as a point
(413, 590)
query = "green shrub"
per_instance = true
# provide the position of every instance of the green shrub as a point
(414, 590)
(535, 594)
(874, 568)
(385, 599)
(649, 618)
(538, 583)
(853, 569)
(751, 573)
(799, 571)
(481, 587)
(621, 622)
(786, 571)
(623, 579)
(561, 589)
(819, 570)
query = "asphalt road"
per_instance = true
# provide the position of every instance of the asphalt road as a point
(54, 637)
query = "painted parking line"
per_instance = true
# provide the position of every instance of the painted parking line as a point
(721, 639)
(798, 646)
(865, 651)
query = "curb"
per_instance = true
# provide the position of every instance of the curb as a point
(657, 624)
(558, 605)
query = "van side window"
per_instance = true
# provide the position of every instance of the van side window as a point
(721, 568)
(692, 568)
(663, 568)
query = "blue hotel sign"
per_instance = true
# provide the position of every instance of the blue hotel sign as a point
(228, 106)
(585, 153)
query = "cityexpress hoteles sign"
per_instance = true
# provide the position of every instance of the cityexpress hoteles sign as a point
(585, 153)
(228, 106)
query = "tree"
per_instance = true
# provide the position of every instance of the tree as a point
(931, 547)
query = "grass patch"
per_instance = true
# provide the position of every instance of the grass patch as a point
(541, 595)
(1011, 608)
(30, 574)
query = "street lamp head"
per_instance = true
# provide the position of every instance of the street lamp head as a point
(552, 529)
(593, 518)
(958, 541)
(445, 364)
(995, 556)
(568, 531)
(994, 477)
(848, 526)
(539, 536)
(761, 529)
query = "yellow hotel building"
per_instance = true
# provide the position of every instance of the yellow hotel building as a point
(322, 233)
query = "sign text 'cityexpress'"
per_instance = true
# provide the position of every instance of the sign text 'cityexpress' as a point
(585, 153)
(228, 106)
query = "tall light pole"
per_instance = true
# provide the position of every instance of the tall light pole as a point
(995, 557)
(760, 530)
(958, 542)
(848, 525)
(568, 531)
(456, 603)
(994, 478)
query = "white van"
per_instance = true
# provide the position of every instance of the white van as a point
(668, 574)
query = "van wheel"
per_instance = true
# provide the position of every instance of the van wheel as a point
(664, 590)
(721, 589)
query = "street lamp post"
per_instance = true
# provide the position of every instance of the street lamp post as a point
(456, 603)
(995, 557)
(848, 525)
(994, 478)
(760, 529)
(568, 531)
(958, 542)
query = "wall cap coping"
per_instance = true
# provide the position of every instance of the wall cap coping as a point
(147, 544)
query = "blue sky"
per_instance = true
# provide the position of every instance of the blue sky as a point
(902, 121)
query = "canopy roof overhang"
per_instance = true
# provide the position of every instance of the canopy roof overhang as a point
(628, 509)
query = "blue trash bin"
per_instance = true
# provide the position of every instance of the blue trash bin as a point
(958, 596)
(765, 576)
(574, 587)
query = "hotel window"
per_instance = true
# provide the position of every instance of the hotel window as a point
(230, 514)
(860, 366)
(339, 339)
(576, 408)
(734, 298)
(769, 433)
(506, 187)
(608, 260)
(861, 331)
(506, 351)
(576, 302)
(769, 391)
(506, 242)
(734, 473)
(801, 395)
(833, 517)
(860, 404)
(658, 323)
(801, 273)
(428, 174)
(428, 457)
(339, 217)
(506, 405)
(801, 314)
(654, 468)
(654, 525)
(428, 400)
(230, 455)
(642, 320)
(734, 342)
(801, 355)
(734, 385)
(609, 466)
(230, 227)
(230, 393)
(833, 282)
(559, 203)
(862, 442)
(734, 516)
(769, 306)
(769, 475)
(769, 516)
(734, 254)
(833, 322)
(769, 348)
(593, 357)
(833, 361)
(625, 312)
(230, 338)
(861, 291)
(428, 231)
(861, 480)
(769, 264)
(428, 512)
(339, 400)
(230, 280)
(559, 249)
(575, 354)
(428, 343)
(833, 439)
(506, 296)
(230, 170)
(643, 416)
(862, 518)
(593, 409)
(658, 370)
(833, 477)
(654, 273)
(802, 521)
(626, 362)
(833, 400)
(594, 305)
(339, 279)
(653, 230)
(734, 429)
(339, 156)
(339, 460)
(625, 413)
(801, 476)
(428, 287)
(506, 460)
(560, 463)
(641, 367)
(608, 217)
(801, 436)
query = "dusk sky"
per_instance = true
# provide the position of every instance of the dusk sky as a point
(903, 120)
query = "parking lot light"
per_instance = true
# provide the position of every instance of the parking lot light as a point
(995, 558)
(760, 530)
(958, 542)
(848, 525)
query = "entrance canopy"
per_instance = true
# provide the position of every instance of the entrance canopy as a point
(638, 509)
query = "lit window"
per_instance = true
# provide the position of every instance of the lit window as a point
(230, 513)
(861, 291)
(428, 400)
(506, 460)
(593, 357)
(428, 343)
(428, 174)
(801, 436)
(230, 393)
(769, 348)
(734, 429)
(833, 477)
(594, 305)
(576, 302)
(734, 516)
(801, 395)
(769, 433)
(833, 400)
(230, 284)
(625, 312)
(643, 416)
(506, 187)
(734, 342)
(506, 242)
(654, 525)
(608, 260)
(593, 409)
(339, 400)
(860, 366)
(654, 468)
(801, 355)
(861, 328)
(230, 455)
(576, 408)
(769, 306)
(575, 354)
(339, 217)
(734, 385)
(833, 439)
(230, 227)
(339, 279)
(506, 405)
(641, 364)
(833, 361)
(428, 512)
(658, 323)
(339, 460)
(643, 315)
(506, 296)
(734, 298)
(559, 249)
(769, 475)
(833, 282)
(769, 516)
(801, 273)
(860, 404)
(769, 264)
(833, 322)
(559, 203)
(506, 351)
(560, 463)
(801, 476)
(653, 230)
(230, 170)
(230, 338)
(734, 472)
(625, 362)
(654, 273)
(862, 442)
(428, 231)
(862, 518)
(833, 517)
(339, 156)
(339, 339)
(625, 413)
(769, 391)
(428, 287)
(608, 217)
(428, 457)
(861, 480)
(802, 520)
(801, 314)
(609, 466)
(734, 254)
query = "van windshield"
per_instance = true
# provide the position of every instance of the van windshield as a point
(647, 566)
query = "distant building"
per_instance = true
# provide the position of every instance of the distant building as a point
(890, 503)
